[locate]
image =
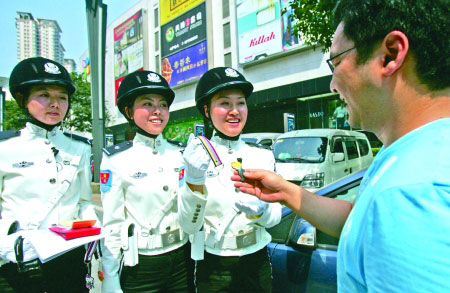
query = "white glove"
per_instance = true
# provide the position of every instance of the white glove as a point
(251, 205)
(7, 248)
(196, 160)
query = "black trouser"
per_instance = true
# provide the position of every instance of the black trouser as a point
(248, 273)
(169, 272)
(66, 273)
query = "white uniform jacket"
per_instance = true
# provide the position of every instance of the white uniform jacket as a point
(228, 232)
(139, 185)
(45, 178)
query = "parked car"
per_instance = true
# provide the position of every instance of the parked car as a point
(261, 138)
(303, 258)
(313, 158)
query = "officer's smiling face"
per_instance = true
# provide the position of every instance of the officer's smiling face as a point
(228, 111)
(48, 103)
(150, 112)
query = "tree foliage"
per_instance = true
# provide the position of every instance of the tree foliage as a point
(80, 115)
(314, 21)
(14, 116)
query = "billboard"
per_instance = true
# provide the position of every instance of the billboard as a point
(128, 47)
(170, 9)
(262, 31)
(186, 65)
(184, 31)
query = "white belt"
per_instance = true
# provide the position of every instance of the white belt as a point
(233, 242)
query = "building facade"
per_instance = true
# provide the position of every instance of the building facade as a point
(70, 65)
(38, 37)
(183, 39)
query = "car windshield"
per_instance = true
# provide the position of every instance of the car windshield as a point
(300, 149)
(249, 139)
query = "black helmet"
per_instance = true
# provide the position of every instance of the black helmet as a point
(140, 83)
(218, 79)
(38, 70)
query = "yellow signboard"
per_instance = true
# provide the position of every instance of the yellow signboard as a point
(170, 9)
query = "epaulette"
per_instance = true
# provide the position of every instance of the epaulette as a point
(118, 148)
(177, 143)
(77, 137)
(9, 133)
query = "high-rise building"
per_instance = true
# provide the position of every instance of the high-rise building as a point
(38, 37)
(70, 65)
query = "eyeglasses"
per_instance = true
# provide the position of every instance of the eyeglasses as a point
(331, 65)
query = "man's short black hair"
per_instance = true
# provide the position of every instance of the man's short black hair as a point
(426, 23)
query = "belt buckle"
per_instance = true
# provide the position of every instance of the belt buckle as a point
(170, 238)
(246, 240)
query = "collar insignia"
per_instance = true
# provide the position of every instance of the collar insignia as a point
(51, 68)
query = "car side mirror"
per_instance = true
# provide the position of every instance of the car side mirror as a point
(338, 157)
(303, 234)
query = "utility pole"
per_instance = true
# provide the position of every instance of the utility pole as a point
(96, 25)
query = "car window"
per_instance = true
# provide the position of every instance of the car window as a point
(337, 146)
(267, 142)
(363, 146)
(249, 139)
(300, 149)
(347, 193)
(352, 150)
(280, 232)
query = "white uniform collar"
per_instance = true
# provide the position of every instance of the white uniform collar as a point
(39, 131)
(154, 143)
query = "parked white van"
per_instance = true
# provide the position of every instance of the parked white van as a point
(261, 138)
(313, 158)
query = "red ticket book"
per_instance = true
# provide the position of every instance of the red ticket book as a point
(75, 233)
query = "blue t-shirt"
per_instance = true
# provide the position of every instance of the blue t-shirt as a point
(397, 237)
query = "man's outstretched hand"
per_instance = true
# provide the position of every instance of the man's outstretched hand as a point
(267, 186)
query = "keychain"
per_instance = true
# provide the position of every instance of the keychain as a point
(238, 167)
(89, 279)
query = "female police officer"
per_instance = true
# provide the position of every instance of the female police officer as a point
(236, 257)
(44, 178)
(139, 184)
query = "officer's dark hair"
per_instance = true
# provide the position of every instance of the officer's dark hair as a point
(426, 23)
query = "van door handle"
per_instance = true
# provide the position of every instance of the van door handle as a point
(345, 170)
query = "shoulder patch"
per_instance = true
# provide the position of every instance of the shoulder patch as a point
(118, 148)
(77, 137)
(177, 143)
(9, 133)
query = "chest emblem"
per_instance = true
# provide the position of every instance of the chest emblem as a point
(22, 164)
(139, 175)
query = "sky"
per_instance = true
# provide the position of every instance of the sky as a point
(71, 18)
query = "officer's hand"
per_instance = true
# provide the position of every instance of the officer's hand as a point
(196, 160)
(7, 248)
(250, 205)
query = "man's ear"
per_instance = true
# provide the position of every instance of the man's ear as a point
(395, 47)
(205, 108)
(129, 112)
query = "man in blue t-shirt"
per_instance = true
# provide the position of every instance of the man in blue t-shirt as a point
(391, 66)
